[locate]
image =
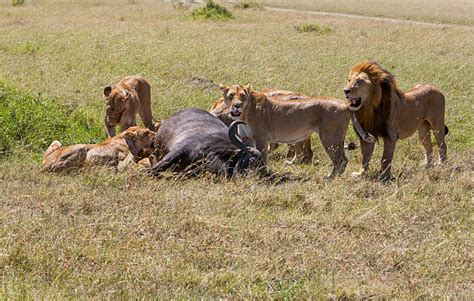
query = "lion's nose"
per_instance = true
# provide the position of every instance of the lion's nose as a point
(347, 91)
(237, 105)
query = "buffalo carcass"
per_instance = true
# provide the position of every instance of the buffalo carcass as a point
(195, 138)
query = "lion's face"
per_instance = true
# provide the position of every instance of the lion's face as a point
(236, 99)
(116, 104)
(140, 141)
(144, 138)
(358, 90)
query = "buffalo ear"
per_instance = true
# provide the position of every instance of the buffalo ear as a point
(224, 89)
(107, 91)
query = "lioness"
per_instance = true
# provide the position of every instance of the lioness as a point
(385, 111)
(124, 101)
(299, 152)
(276, 121)
(135, 143)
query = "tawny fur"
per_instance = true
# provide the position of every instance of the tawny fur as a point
(300, 152)
(386, 112)
(277, 121)
(131, 145)
(130, 97)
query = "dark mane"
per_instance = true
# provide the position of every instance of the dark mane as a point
(374, 116)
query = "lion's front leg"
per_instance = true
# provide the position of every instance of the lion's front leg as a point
(388, 152)
(109, 127)
(262, 146)
(366, 150)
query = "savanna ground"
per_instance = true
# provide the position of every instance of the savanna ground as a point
(98, 234)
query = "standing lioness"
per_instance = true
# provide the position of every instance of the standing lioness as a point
(124, 101)
(276, 121)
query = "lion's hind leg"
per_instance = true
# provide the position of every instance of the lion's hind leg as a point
(440, 131)
(424, 134)
(335, 150)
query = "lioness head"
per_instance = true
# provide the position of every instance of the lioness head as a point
(236, 99)
(116, 103)
(365, 84)
(54, 146)
(140, 141)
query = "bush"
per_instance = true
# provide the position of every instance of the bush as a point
(314, 28)
(212, 11)
(33, 122)
(18, 2)
(249, 4)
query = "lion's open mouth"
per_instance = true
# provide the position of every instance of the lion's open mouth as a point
(356, 102)
(235, 113)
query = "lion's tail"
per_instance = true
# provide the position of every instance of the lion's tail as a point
(446, 130)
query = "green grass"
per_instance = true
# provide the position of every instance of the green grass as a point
(213, 11)
(31, 122)
(314, 28)
(18, 2)
(99, 235)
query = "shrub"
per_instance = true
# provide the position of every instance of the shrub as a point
(18, 2)
(249, 4)
(212, 11)
(33, 122)
(314, 28)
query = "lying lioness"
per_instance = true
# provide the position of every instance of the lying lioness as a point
(299, 152)
(131, 145)
(275, 121)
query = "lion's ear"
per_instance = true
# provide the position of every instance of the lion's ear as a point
(157, 125)
(248, 89)
(126, 93)
(130, 140)
(129, 135)
(107, 91)
(224, 89)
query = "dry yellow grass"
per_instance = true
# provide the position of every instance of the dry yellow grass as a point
(105, 235)
(436, 11)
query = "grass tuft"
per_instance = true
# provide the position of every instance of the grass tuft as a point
(313, 28)
(249, 5)
(26, 121)
(18, 2)
(212, 11)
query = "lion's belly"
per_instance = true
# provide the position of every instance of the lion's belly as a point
(101, 156)
(290, 137)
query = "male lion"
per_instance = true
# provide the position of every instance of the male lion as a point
(299, 152)
(129, 97)
(135, 144)
(385, 111)
(277, 121)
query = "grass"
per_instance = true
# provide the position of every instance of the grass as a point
(103, 235)
(437, 11)
(314, 28)
(18, 2)
(213, 11)
(249, 5)
(27, 122)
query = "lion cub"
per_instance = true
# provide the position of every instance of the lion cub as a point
(276, 121)
(124, 101)
(131, 145)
